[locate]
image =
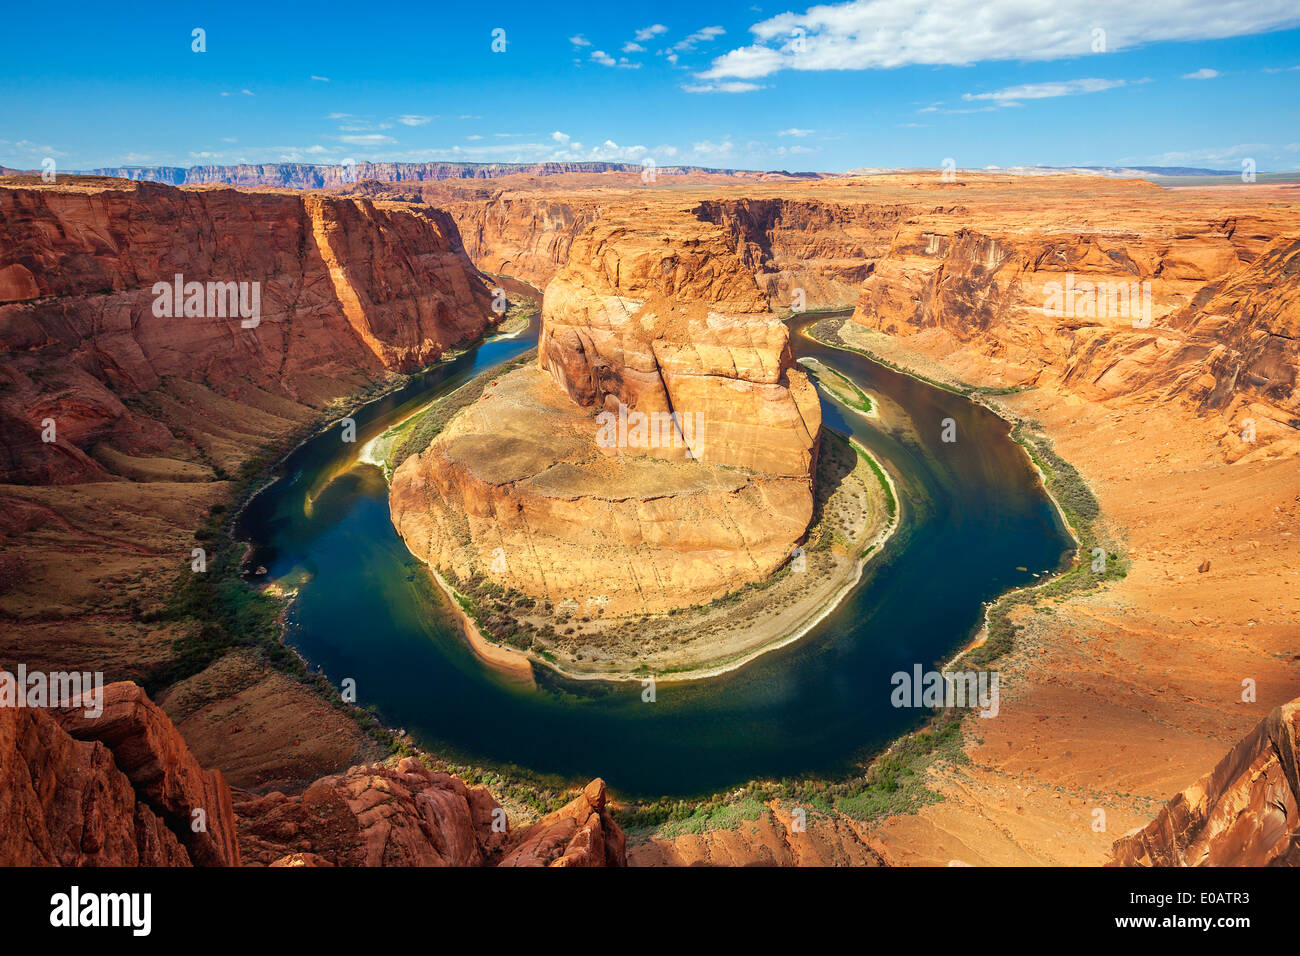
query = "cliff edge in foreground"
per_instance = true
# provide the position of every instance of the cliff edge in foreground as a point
(1242, 813)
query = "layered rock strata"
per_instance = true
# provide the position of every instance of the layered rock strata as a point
(344, 290)
(661, 455)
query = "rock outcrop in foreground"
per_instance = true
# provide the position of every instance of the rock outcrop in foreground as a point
(122, 789)
(545, 484)
(1242, 813)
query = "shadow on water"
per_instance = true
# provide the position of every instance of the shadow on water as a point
(972, 514)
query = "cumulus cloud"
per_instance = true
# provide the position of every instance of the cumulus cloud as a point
(413, 119)
(1202, 74)
(623, 63)
(882, 34)
(631, 47)
(560, 137)
(579, 40)
(650, 32)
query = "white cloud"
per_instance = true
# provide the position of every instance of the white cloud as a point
(1220, 154)
(368, 139)
(559, 137)
(794, 131)
(623, 63)
(413, 119)
(579, 40)
(710, 148)
(27, 148)
(364, 126)
(247, 92)
(882, 34)
(1202, 74)
(650, 32)
(631, 47)
(729, 86)
(1040, 91)
(699, 36)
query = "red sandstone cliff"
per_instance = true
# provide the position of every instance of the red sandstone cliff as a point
(348, 289)
(651, 315)
(120, 789)
(123, 789)
(1242, 813)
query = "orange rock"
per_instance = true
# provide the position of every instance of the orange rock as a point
(1242, 813)
(581, 833)
(115, 790)
(348, 290)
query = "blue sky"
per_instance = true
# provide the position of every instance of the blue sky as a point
(869, 83)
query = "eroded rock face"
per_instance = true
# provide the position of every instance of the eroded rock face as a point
(517, 488)
(662, 316)
(122, 789)
(1146, 311)
(412, 816)
(1242, 813)
(112, 790)
(581, 833)
(375, 816)
(823, 249)
(348, 289)
(541, 486)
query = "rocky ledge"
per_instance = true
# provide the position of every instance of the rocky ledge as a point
(121, 788)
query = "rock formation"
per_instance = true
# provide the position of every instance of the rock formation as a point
(823, 249)
(310, 176)
(346, 290)
(1244, 812)
(653, 319)
(120, 789)
(123, 789)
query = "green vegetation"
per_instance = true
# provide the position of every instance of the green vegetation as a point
(827, 332)
(1082, 512)
(893, 783)
(413, 435)
(842, 387)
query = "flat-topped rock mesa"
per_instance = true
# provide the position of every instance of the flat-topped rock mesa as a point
(347, 290)
(539, 487)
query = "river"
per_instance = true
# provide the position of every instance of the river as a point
(975, 523)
